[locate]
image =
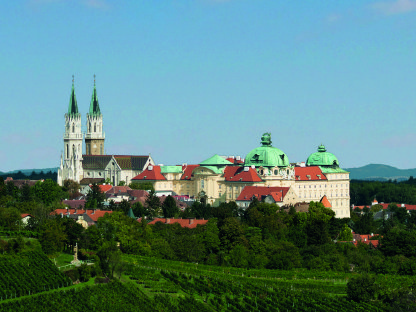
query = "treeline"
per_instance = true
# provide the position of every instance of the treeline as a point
(364, 192)
(32, 176)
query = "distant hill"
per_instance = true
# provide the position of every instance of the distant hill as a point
(29, 171)
(379, 172)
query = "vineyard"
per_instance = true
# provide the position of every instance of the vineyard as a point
(230, 289)
(114, 296)
(149, 284)
(27, 274)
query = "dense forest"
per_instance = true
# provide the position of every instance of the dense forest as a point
(364, 192)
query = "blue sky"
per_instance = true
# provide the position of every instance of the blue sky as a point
(185, 79)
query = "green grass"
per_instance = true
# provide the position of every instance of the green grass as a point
(63, 259)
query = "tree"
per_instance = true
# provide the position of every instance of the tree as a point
(169, 207)
(110, 258)
(10, 218)
(26, 193)
(317, 227)
(73, 230)
(121, 183)
(399, 242)
(124, 206)
(361, 288)
(346, 234)
(72, 187)
(283, 255)
(52, 237)
(95, 197)
(153, 204)
(11, 189)
(146, 186)
(138, 210)
(47, 192)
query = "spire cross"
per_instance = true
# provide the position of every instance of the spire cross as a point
(72, 80)
(94, 79)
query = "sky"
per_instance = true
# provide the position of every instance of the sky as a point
(183, 80)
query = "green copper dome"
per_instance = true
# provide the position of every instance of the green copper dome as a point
(266, 155)
(322, 158)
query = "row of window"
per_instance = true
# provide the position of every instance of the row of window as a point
(324, 186)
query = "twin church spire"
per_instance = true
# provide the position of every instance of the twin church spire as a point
(94, 136)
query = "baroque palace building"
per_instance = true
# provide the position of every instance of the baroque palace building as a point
(222, 179)
(94, 165)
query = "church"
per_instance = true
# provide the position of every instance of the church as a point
(265, 172)
(93, 166)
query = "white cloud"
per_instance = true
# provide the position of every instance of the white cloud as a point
(395, 7)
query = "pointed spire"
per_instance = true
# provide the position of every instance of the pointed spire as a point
(131, 214)
(73, 107)
(94, 106)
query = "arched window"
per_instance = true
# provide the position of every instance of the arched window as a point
(101, 149)
(89, 127)
(275, 172)
(73, 127)
(73, 149)
(95, 127)
(67, 151)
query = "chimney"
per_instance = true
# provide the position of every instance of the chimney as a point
(62, 215)
(167, 220)
(403, 206)
(372, 234)
(238, 158)
(191, 221)
(150, 168)
(365, 239)
(76, 210)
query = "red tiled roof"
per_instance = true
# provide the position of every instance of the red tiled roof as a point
(189, 223)
(314, 172)
(74, 203)
(118, 189)
(239, 174)
(187, 171)
(24, 215)
(93, 214)
(104, 188)
(325, 202)
(249, 191)
(151, 175)
(235, 161)
(137, 193)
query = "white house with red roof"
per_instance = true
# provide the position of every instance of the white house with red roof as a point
(277, 195)
(85, 217)
(188, 223)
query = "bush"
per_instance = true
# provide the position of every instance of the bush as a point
(102, 280)
(361, 288)
(72, 274)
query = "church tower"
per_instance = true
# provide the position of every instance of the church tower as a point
(94, 138)
(71, 160)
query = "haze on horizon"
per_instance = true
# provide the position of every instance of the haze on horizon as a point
(186, 79)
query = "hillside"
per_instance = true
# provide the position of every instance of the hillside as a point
(29, 171)
(380, 172)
